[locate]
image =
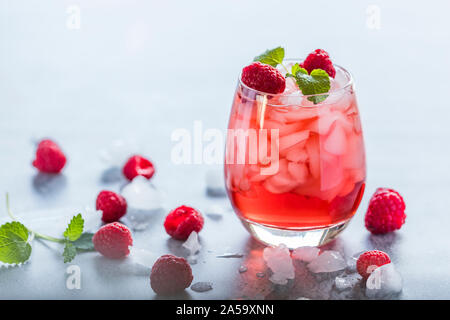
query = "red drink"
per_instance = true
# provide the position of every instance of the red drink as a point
(308, 184)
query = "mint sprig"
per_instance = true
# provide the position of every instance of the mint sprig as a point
(318, 81)
(271, 57)
(15, 239)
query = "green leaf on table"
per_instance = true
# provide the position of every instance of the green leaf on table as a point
(271, 57)
(69, 252)
(14, 246)
(84, 242)
(75, 228)
(318, 81)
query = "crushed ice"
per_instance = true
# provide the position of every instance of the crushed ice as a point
(328, 261)
(215, 183)
(278, 259)
(192, 244)
(118, 152)
(144, 202)
(215, 212)
(306, 254)
(383, 282)
(201, 286)
(347, 281)
(230, 255)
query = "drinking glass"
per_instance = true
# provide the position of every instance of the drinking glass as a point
(295, 165)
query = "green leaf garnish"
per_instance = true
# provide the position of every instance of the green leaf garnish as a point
(69, 252)
(14, 246)
(318, 81)
(272, 57)
(84, 242)
(75, 228)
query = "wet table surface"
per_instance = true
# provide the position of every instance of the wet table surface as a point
(131, 73)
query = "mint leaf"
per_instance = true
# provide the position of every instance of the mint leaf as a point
(14, 246)
(271, 57)
(315, 83)
(84, 242)
(75, 228)
(69, 252)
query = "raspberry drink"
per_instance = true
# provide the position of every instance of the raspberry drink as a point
(295, 162)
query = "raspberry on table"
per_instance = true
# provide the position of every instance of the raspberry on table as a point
(138, 166)
(319, 59)
(49, 157)
(370, 260)
(181, 221)
(113, 240)
(112, 205)
(170, 274)
(386, 211)
(263, 77)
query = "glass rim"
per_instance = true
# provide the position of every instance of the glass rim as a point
(344, 87)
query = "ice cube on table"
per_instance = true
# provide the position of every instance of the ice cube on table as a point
(192, 244)
(118, 152)
(347, 281)
(279, 260)
(215, 212)
(384, 282)
(201, 286)
(215, 183)
(140, 194)
(142, 259)
(306, 254)
(351, 261)
(328, 261)
(144, 203)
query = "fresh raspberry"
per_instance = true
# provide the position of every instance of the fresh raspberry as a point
(138, 166)
(49, 157)
(181, 221)
(112, 240)
(264, 78)
(386, 211)
(113, 206)
(370, 260)
(170, 275)
(319, 59)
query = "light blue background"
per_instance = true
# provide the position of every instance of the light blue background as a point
(140, 69)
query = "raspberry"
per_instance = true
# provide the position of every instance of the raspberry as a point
(181, 221)
(113, 206)
(263, 77)
(170, 275)
(386, 211)
(138, 166)
(112, 240)
(370, 260)
(319, 59)
(49, 157)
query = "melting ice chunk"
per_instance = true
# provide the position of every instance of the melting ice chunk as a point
(215, 212)
(144, 202)
(141, 260)
(201, 286)
(118, 152)
(328, 261)
(278, 259)
(215, 183)
(140, 194)
(384, 282)
(306, 254)
(347, 281)
(192, 244)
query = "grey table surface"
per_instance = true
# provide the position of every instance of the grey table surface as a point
(138, 70)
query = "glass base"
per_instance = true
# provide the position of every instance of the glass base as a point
(294, 238)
